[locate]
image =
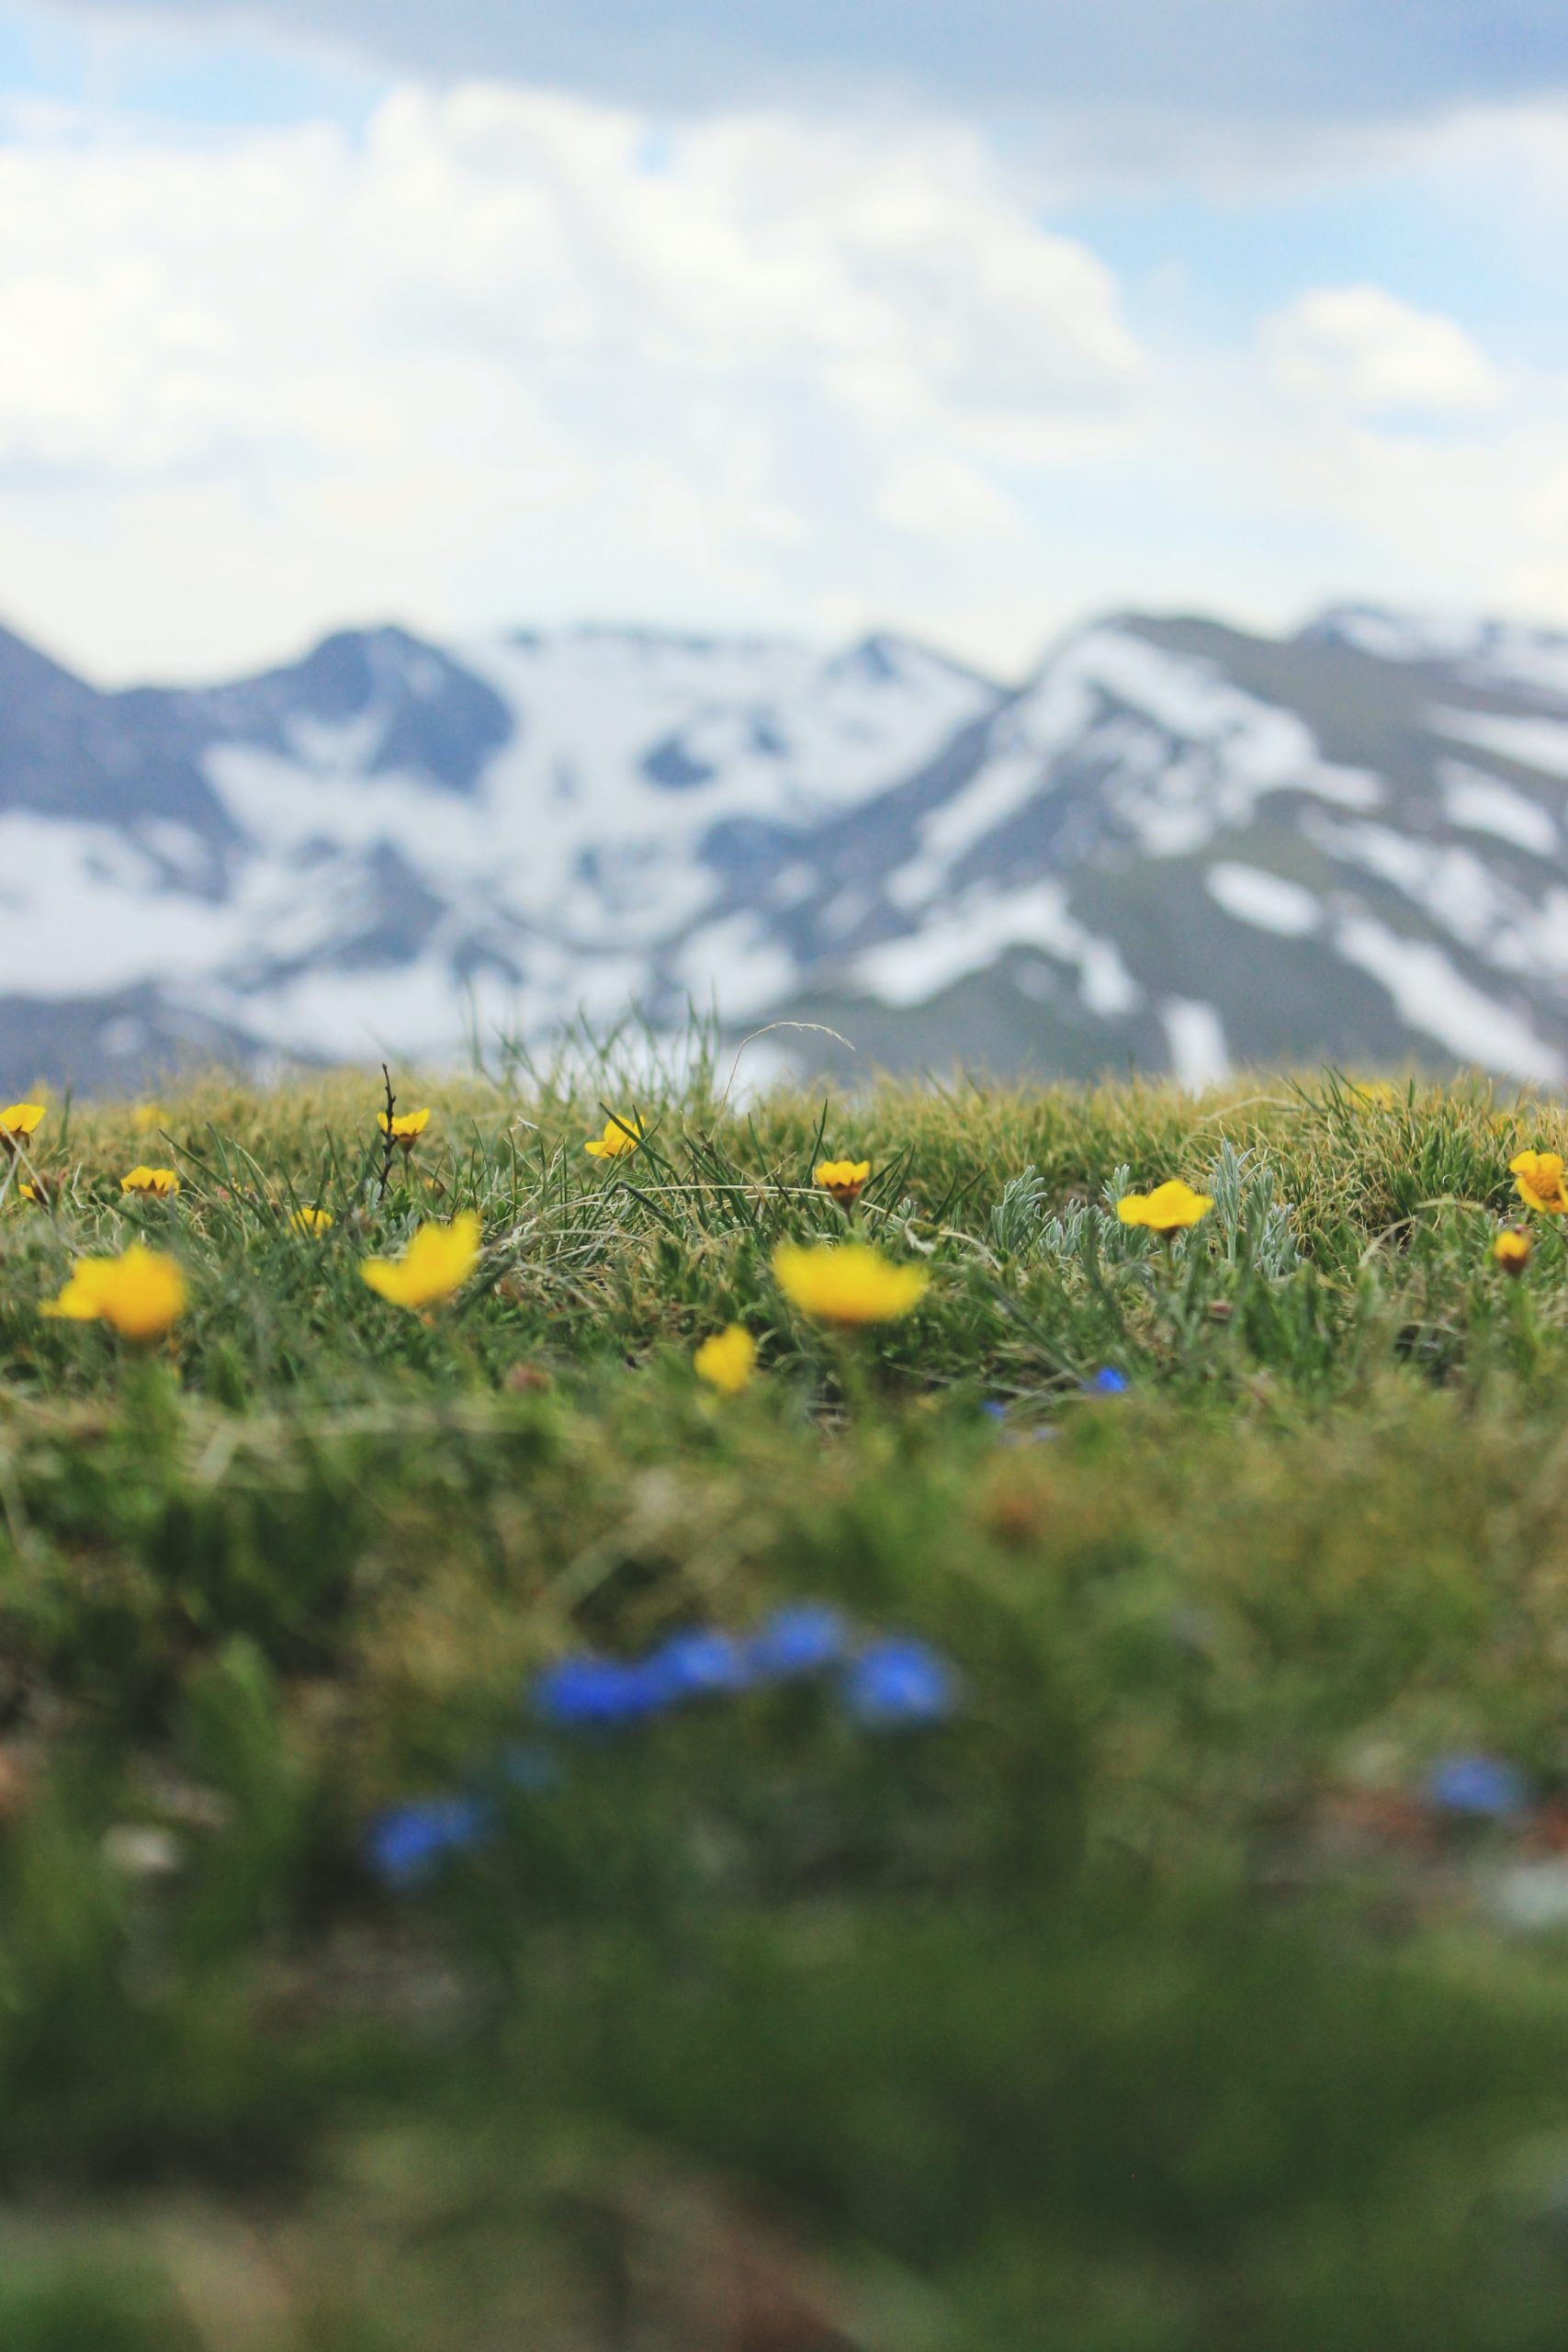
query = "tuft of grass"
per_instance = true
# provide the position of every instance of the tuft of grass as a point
(1143, 2005)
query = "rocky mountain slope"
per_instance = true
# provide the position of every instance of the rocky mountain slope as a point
(1176, 845)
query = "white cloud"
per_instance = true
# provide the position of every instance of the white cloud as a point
(1361, 348)
(512, 357)
(503, 340)
(943, 500)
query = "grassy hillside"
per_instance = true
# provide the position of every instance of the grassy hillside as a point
(1133, 1920)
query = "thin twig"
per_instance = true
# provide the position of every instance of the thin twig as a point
(388, 1147)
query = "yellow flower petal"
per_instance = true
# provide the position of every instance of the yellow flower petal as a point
(1538, 1179)
(18, 1119)
(161, 1181)
(312, 1220)
(140, 1293)
(438, 1262)
(849, 1284)
(1512, 1251)
(1168, 1209)
(845, 1179)
(616, 1140)
(81, 1301)
(406, 1125)
(727, 1360)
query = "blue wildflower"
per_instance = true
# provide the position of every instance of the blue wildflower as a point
(1482, 1786)
(801, 1639)
(899, 1684)
(597, 1693)
(994, 1408)
(1107, 1382)
(407, 1843)
(698, 1664)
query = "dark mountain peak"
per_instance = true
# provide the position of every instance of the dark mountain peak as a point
(67, 750)
(421, 712)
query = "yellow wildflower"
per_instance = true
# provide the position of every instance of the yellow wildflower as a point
(18, 1120)
(1538, 1179)
(145, 1116)
(438, 1262)
(620, 1135)
(727, 1360)
(312, 1220)
(1512, 1251)
(845, 1179)
(141, 1293)
(79, 1302)
(1168, 1209)
(847, 1283)
(161, 1181)
(406, 1128)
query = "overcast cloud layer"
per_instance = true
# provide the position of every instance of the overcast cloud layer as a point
(1270, 61)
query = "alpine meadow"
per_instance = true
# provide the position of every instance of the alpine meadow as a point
(924, 1719)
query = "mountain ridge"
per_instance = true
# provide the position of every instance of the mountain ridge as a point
(1174, 842)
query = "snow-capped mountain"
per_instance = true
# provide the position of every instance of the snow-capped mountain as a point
(1175, 844)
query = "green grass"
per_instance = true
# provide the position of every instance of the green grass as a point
(1141, 2007)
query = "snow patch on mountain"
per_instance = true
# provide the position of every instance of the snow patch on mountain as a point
(1006, 785)
(1186, 752)
(1480, 803)
(970, 936)
(1539, 743)
(1479, 908)
(737, 963)
(1398, 637)
(1481, 653)
(84, 910)
(1434, 997)
(1267, 900)
(1196, 1035)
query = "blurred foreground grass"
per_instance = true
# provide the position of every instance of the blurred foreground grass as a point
(1145, 2004)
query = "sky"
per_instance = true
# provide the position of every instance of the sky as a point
(970, 318)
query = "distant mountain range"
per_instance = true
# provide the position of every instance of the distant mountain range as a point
(1174, 845)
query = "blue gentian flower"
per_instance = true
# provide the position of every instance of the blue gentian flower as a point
(1482, 1786)
(407, 1843)
(801, 1639)
(698, 1664)
(597, 1693)
(899, 1684)
(1107, 1382)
